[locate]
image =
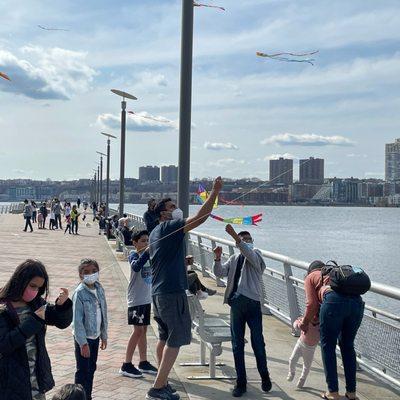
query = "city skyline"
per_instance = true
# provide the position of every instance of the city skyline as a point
(246, 110)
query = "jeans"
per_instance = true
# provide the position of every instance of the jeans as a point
(28, 223)
(58, 221)
(86, 367)
(75, 226)
(245, 310)
(34, 213)
(340, 317)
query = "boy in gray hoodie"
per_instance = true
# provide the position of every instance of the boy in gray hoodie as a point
(243, 293)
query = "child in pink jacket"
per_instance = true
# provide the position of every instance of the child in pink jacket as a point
(305, 348)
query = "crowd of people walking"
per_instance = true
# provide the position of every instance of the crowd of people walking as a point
(160, 280)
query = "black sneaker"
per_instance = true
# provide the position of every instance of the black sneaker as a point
(211, 292)
(238, 391)
(172, 391)
(160, 394)
(266, 384)
(128, 369)
(147, 368)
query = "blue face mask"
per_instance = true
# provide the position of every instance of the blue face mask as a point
(250, 245)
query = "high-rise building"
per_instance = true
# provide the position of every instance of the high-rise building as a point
(392, 161)
(149, 173)
(281, 171)
(312, 171)
(169, 174)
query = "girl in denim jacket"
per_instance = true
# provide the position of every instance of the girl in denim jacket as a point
(89, 323)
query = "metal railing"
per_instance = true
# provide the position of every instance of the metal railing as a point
(9, 208)
(378, 340)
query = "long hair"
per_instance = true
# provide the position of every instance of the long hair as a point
(23, 274)
(70, 392)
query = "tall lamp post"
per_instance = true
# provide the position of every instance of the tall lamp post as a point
(185, 106)
(124, 96)
(101, 174)
(98, 182)
(95, 185)
(108, 170)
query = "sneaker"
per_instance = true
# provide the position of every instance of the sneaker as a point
(170, 389)
(160, 394)
(146, 367)
(266, 384)
(290, 377)
(201, 295)
(301, 383)
(211, 292)
(238, 391)
(128, 369)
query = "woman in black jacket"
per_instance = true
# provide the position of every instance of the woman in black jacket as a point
(25, 370)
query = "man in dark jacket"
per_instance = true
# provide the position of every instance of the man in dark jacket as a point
(150, 217)
(44, 212)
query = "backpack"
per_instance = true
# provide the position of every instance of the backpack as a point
(346, 279)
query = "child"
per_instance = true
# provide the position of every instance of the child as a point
(74, 218)
(139, 306)
(68, 220)
(89, 323)
(305, 347)
(102, 225)
(52, 222)
(40, 220)
(24, 314)
(70, 392)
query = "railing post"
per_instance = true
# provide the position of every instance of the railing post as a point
(292, 297)
(219, 281)
(202, 257)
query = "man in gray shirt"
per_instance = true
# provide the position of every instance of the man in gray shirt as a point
(243, 293)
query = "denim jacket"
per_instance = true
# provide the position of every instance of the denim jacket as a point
(84, 321)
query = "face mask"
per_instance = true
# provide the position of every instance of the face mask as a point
(29, 295)
(250, 245)
(177, 214)
(91, 279)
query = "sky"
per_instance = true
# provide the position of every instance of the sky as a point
(246, 109)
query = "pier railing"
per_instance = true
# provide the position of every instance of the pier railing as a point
(378, 339)
(9, 208)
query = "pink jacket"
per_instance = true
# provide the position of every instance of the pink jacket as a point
(311, 338)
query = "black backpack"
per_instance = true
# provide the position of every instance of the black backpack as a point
(346, 279)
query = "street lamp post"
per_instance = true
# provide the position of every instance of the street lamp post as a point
(98, 182)
(95, 185)
(101, 174)
(185, 106)
(124, 96)
(108, 170)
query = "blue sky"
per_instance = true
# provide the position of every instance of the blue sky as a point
(246, 109)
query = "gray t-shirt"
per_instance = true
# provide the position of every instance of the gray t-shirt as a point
(139, 288)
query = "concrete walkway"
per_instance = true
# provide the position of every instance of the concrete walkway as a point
(61, 254)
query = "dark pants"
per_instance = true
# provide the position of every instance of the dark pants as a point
(340, 317)
(245, 310)
(86, 367)
(58, 221)
(68, 228)
(28, 223)
(34, 213)
(194, 283)
(75, 226)
(44, 222)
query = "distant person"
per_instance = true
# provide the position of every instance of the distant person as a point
(305, 349)
(70, 392)
(40, 220)
(244, 272)
(90, 323)
(194, 283)
(74, 220)
(94, 210)
(44, 212)
(78, 202)
(67, 210)
(340, 317)
(126, 232)
(34, 212)
(150, 217)
(169, 285)
(52, 221)
(102, 225)
(68, 222)
(57, 214)
(139, 307)
(24, 316)
(27, 213)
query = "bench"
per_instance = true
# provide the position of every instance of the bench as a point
(212, 332)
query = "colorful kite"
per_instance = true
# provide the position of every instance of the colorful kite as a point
(278, 56)
(250, 220)
(4, 76)
(52, 29)
(207, 5)
(166, 121)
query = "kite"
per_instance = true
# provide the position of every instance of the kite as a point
(52, 29)
(164, 120)
(207, 5)
(202, 195)
(278, 56)
(4, 76)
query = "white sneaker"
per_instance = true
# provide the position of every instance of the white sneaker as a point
(202, 295)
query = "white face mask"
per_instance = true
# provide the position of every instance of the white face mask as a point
(91, 279)
(177, 214)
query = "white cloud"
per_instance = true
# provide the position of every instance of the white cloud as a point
(220, 146)
(141, 121)
(277, 156)
(150, 79)
(353, 155)
(223, 162)
(52, 73)
(291, 139)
